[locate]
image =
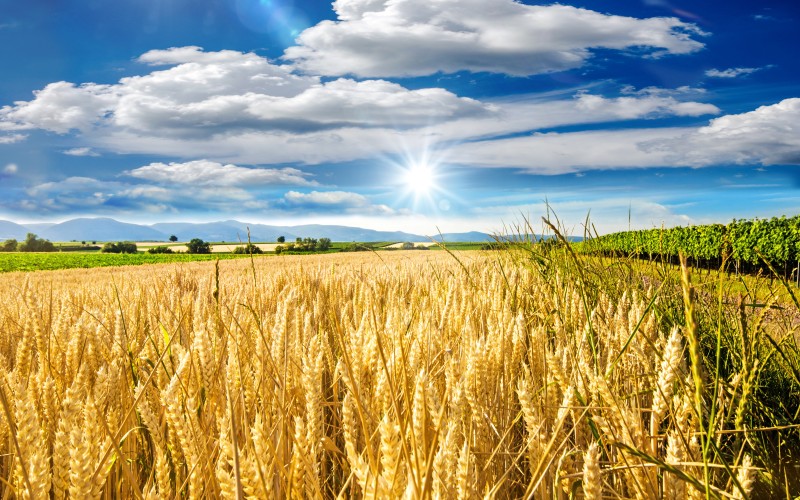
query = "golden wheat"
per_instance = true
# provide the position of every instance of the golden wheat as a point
(400, 374)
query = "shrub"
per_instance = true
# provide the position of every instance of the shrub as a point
(407, 246)
(248, 249)
(9, 246)
(161, 249)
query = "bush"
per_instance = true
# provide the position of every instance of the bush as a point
(161, 249)
(121, 247)
(358, 247)
(33, 244)
(198, 246)
(407, 246)
(248, 249)
(9, 246)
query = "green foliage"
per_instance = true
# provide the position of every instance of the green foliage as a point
(407, 245)
(173, 238)
(358, 247)
(306, 245)
(32, 243)
(281, 239)
(9, 246)
(121, 247)
(198, 246)
(69, 260)
(777, 240)
(248, 249)
(161, 249)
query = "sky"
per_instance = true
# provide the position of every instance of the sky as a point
(415, 115)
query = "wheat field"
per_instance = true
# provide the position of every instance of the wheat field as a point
(402, 374)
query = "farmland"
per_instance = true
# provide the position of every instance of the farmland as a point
(520, 373)
(62, 260)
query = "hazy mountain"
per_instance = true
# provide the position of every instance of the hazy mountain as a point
(105, 229)
(347, 233)
(208, 231)
(472, 236)
(9, 230)
(100, 229)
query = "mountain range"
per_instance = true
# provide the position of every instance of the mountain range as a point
(105, 229)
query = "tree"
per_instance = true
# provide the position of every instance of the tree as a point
(32, 243)
(281, 239)
(173, 238)
(121, 247)
(323, 244)
(407, 246)
(196, 245)
(9, 246)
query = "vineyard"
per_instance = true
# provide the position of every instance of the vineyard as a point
(749, 244)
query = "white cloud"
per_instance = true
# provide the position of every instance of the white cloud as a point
(11, 169)
(227, 92)
(768, 135)
(344, 201)
(642, 107)
(209, 173)
(12, 138)
(559, 153)
(81, 152)
(507, 116)
(61, 107)
(731, 72)
(81, 194)
(327, 198)
(380, 38)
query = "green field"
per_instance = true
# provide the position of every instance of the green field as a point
(60, 260)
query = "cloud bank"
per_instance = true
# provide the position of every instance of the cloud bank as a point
(386, 38)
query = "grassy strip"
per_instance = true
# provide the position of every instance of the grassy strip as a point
(10, 262)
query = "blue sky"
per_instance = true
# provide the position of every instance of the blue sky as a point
(400, 114)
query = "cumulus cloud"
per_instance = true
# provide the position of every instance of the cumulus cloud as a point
(81, 152)
(209, 173)
(383, 38)
(731, 72)
(61, 107)
(767, 135)
(209, 93)
(11, 169)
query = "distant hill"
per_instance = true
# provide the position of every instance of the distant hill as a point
(472, 236)
(100, 229)
(10, 230)
(106, 229)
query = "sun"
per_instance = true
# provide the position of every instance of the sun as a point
(420, 178)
